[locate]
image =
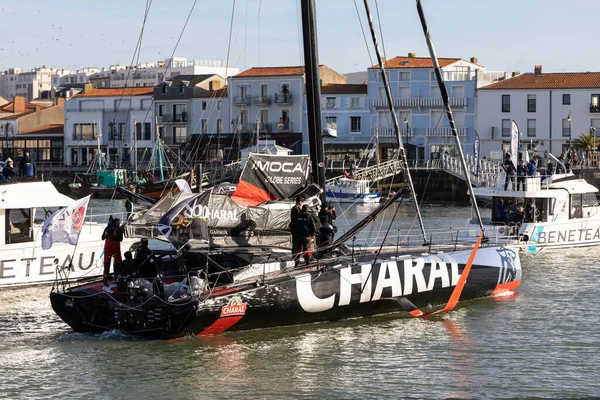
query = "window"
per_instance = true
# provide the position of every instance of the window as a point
(161, 110)
(179, 134)
(182, 88)
(147, 131)
(203, 105)
(84, 131)
(566, 125)
(506, 103)
(404, 76)
(531, 128)
(331, 122)
(355, 102)
(121, 131)
(138, 131)
(219, 104)
(404, 92)
(566, 99)
(531, 103)
(506, 127)
(595, 105)
(330, 102)
(18, 226)
(204, 124)
(355, 124)
(165, 88)
(219, 126)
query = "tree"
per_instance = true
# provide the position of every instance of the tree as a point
(585, 140)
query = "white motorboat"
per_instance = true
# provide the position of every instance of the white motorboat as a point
(556, 211)
(23, 208)
(347, 190)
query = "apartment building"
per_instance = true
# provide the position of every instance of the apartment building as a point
(550, 110)
(119, 121)
(28, 84)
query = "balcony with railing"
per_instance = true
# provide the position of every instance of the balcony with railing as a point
(262, 100)
(421, 102)
(173, 118)
(266, 127)
(242, 100)
(284, 98)
(444, 132)
(595, 108)
(390, 132)
(284, 127)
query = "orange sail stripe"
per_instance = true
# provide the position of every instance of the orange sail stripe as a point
(247, 194)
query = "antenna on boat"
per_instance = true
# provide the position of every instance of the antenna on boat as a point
(444, 93)
(388, 95)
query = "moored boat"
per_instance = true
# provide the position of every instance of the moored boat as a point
(347, 190)
(24, 205)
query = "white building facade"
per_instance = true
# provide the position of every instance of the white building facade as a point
(119, 121)
(28, 84)
(550, 109)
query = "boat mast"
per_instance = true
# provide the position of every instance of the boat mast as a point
(390, 101)
(158, 151)
(444, 93)
(313, 93)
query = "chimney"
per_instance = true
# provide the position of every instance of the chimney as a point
(411, 55)
(538, 70)
(60, 101)
(515, 73)
(474, 60)
(18, 104)
(87, 88)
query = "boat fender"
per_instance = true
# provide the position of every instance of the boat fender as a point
(524, 238)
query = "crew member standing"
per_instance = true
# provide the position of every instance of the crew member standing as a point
(327, 231)
(309, 228)
(296, 230)
(112, 236)
(27, 165)
(509, 168)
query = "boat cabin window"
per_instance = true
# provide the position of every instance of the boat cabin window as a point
(18, 226)
(505, 209)
(41, 214)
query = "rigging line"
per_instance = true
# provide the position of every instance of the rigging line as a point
(258, 28)
(171, 58)
(362, 28)
(380, 30)
(137, 50)
(444, 93)
(390, 100)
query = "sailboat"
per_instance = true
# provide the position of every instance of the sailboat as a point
(153, 182)
(205, 289)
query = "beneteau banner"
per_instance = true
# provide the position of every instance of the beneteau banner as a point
(271, 177)
(514, 143)
(64, 226)
(476, 154)
(187, 222)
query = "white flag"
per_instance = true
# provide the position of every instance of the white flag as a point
(183, 186)
(514, 143)
(64, 226)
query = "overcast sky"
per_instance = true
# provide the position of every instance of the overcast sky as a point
(508, 35)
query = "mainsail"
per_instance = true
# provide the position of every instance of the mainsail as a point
(271, 177)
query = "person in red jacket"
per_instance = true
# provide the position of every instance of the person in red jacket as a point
(112, 236)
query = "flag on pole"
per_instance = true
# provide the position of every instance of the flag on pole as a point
(514, 143)
(64, 226)
(476, 154)
(372, 151)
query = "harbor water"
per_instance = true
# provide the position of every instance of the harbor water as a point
(540, 343)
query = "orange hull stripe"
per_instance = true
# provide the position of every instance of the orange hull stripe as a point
(220, 325)
(506, 287)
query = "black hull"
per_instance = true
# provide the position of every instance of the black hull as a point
(325, 292)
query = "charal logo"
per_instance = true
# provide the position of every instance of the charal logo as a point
(77, 218)
(234, 307)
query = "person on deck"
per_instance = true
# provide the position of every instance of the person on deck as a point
(297, 231)
(309, 229)
(530, 211)
(500, 213)
(112, 236)
(8, 171)
(532, 167)
(27, 165)
(521, 174)
(326, 217)
(509, 168)
(145, 266)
